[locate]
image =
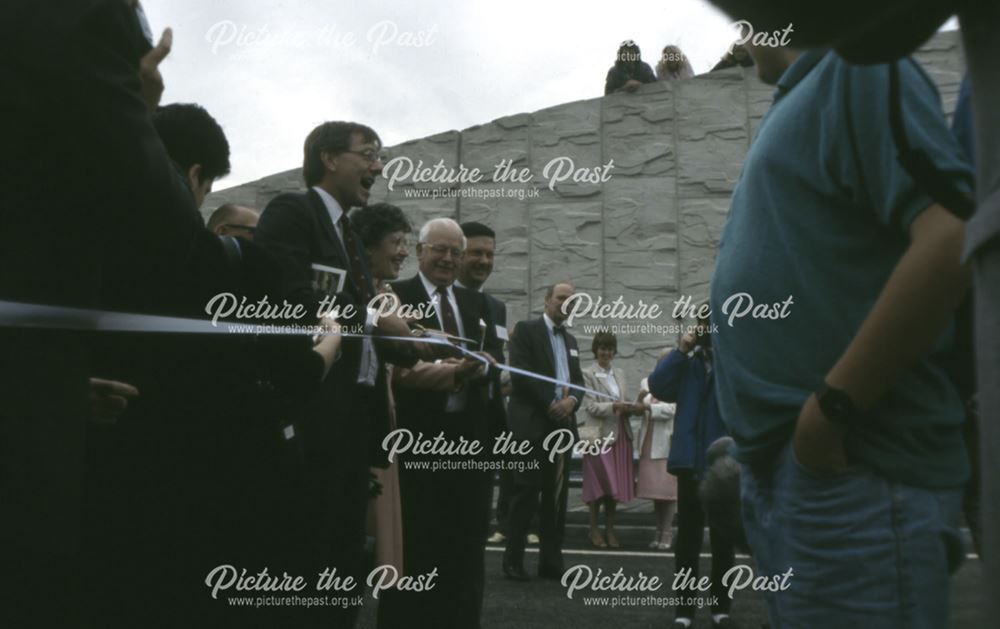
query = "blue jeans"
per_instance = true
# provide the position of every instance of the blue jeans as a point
(864, 551)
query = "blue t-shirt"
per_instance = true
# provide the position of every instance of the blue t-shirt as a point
(821, 215)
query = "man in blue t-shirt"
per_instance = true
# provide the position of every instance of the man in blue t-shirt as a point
(833, 293)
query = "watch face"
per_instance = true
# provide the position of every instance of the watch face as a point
(837, 406)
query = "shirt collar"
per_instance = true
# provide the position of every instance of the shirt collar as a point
(794, 73)
(550, 324)
(432, 288)
(332, 207)
(461, 285)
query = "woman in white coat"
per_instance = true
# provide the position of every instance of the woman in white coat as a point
(607, 477)
(653, 445)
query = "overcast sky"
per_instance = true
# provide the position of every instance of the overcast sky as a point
(271, 70)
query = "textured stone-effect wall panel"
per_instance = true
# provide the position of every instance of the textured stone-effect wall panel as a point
(944, 61)
(509, 218)
(711, 133)
(649, 232)
(639, 132)
(488, 146)
(423, 153)
(504, 141)
(571, 134)
(700, 227)
(640, 237)
(565, 241)
(274, 185)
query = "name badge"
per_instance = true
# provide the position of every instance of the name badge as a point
(602, 375)
(502, 333)
(574, 353)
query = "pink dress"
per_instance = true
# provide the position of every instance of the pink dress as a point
(610, 474)
(385, 514)
(655, 483)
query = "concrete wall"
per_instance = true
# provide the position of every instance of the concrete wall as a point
(648, 233)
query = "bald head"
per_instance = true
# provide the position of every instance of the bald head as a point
(440, 250)
(234, 220)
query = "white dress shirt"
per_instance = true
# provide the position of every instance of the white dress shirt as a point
(503, 336)
(333, 209)
(456, 400)
(559, 353)
(368, 370)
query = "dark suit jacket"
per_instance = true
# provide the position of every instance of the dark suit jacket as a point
(499, 311)
(345, 425)
(530, 349)
(421, 410)
(298, 229)
(498, 308)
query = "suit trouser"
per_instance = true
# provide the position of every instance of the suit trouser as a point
(337, 470)
(690, 530)
(550, 483)
(506, 484)
(446, 516)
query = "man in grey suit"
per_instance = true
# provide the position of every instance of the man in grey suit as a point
(537, 408)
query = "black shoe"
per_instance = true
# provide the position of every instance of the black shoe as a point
(514, 570)
(550, 571)
(725, 623)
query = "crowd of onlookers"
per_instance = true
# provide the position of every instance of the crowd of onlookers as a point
(630, 71)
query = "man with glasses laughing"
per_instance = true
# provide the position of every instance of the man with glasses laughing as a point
(341, 428)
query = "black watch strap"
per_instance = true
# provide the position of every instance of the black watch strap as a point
(837, 406)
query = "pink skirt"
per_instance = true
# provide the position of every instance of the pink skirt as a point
(385, 519)
(655, 482)
(610, 474)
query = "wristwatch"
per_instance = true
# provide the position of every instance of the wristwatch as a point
(837, 406)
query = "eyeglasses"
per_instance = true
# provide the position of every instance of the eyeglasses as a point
(370, 155)
(444, 249)
(252, 230)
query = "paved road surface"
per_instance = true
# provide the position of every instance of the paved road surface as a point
(543, 604)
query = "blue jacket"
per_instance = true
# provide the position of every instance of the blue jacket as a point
(683, 379)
